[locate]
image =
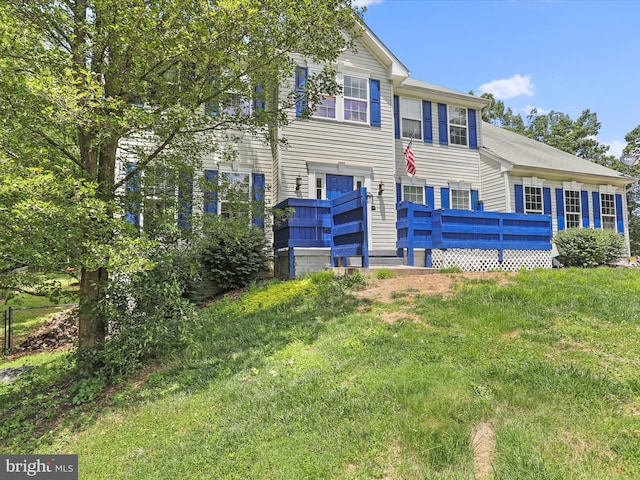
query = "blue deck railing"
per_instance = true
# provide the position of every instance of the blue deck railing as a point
(340, 224)
(421, 227)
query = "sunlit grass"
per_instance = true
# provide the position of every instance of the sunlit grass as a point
(317, 385)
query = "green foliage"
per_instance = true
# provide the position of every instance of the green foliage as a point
(557, 129)
(86, 390)
(232, 254)
(321, 277)
(385, 273)
(82, 86)
(353, 281)
(588, 247)
(452, 269)
(147, 315)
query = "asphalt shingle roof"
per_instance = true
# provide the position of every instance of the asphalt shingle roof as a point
(525, 152)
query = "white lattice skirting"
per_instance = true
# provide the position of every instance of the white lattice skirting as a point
(476, 260)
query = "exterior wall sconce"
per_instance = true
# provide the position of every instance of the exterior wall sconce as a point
(298, 183)
(373, 205)
(380, 189)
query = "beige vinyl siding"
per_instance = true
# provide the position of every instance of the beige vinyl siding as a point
(352, 145)
(493, 186)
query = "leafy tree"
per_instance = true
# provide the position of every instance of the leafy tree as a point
(503, 117)
(85, 82)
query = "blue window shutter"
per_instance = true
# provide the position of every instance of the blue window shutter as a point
(258, 100)
(473, 130)
(374, 94)
(584, 204)
(301, 81)
(519, 191)
(257, 187)
(560, 208)
(427, 121)
(546, 200)
(398, 192)
(475, 200)
(443, 124)
(185, 202)
(619, 217)
(132, 188)
(596, 209)
(444, 197)
(210, 194)
(396, 115)
(429, 196)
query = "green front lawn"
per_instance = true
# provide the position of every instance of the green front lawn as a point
(298, 380)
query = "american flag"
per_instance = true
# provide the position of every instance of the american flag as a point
(410, 159)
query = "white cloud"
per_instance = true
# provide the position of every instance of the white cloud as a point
(541, 111)
(509, 87)
(365, 3)
(615, 147)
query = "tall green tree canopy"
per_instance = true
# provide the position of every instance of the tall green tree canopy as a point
(85, 82)
(557, 129)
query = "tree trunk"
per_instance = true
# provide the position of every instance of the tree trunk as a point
(91, 327)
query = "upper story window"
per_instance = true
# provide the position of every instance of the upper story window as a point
(411, 113)
(572, 208)
(457, 125)
(413, 193)
(356, 98)
(608, 210)
(327, 108)
(533, 199)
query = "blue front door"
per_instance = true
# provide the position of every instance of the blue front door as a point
(338, 185)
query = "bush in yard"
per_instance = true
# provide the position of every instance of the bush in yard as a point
(147, 314)
(588, 247)
(233, 253)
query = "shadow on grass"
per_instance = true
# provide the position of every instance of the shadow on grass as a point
(232, 336)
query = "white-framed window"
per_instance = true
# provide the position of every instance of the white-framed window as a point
(327, 108)
(457, 125)
(411, 117)
(608, 211)
(232, 105)
(319, 187)
(460, 199)
(533, 199)
(572, 208)
(234, 198)
(160, 192)
(356, 98)
(413, 193)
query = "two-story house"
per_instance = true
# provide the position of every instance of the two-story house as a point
(359, 140)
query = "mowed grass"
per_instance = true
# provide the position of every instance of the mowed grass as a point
(300, 380)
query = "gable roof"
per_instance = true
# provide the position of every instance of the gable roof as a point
(397, 71)
(518, 152)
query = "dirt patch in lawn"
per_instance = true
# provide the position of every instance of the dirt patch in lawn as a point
(483, 441)
(60, 331)
(407, 286)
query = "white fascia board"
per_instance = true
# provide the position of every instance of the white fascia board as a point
(397, 71)
(442, 95)
(563, 175)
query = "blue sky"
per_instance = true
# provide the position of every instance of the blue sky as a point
(562, 55)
